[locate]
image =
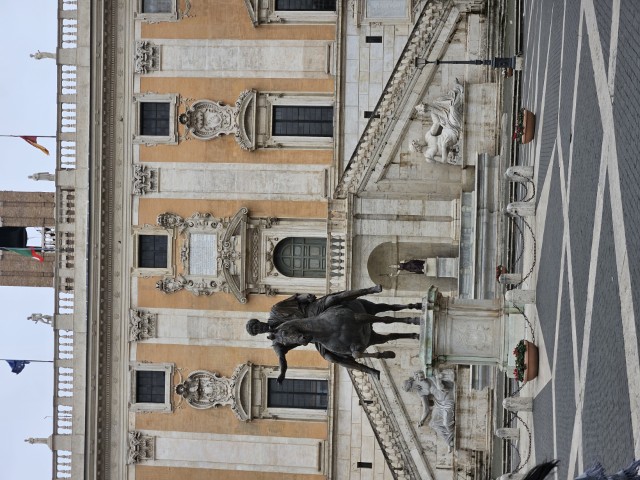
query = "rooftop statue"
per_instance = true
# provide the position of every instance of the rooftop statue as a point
(40, 55)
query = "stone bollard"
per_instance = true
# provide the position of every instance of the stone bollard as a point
(519, 173)
(522, 209)
(518, 404)
(520, 297)
(508, 433)
(510, 278)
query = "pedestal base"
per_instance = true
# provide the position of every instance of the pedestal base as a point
(454, 331)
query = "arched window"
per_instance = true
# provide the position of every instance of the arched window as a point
(304, 257)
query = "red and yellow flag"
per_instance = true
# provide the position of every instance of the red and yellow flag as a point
(33, 141)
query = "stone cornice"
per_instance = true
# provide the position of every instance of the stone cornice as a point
(108, 346)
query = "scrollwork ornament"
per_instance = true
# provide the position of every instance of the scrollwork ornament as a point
(171, 284)
(170, 220)
(145, 180)
(140, 447)
(142, 325)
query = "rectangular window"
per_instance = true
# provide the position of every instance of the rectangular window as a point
(306, 5)
(364, 465)
(302, 121)
(298, 393)
(155, 119)
(157, 6)
(150, 386)
(373, 39)
(152, 251)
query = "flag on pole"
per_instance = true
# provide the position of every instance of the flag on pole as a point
(25, 252)
(33, 141)
(17, 365)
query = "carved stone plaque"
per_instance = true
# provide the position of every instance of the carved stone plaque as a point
(203, 254)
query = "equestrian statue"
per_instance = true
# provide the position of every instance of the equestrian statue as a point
(339, 325)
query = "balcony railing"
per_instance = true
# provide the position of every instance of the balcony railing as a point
(71, 234)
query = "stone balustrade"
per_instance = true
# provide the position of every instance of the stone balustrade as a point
(71, 235)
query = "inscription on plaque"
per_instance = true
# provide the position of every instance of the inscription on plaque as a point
(382, 9)
(203, 254)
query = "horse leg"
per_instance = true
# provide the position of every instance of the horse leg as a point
(350, 363)
(368, 318)
(375, 308)
(378, 338)
(385, 354)
(348, 295)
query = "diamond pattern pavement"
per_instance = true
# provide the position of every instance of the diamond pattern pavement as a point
(580, 79)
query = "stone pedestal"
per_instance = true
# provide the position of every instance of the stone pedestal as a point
(520, 297)
(522, 209)
(458, 331)
(508, 433)
(520, 173)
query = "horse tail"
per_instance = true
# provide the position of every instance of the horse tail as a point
(540, 471)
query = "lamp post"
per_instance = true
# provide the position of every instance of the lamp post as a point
(496, 62)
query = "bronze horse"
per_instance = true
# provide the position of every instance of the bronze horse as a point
(301, 306)
(341, 330)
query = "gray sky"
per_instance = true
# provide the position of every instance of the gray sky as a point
(28, 94)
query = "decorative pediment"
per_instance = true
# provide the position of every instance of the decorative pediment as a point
(208, 119)
(203, 389)
(212, 254)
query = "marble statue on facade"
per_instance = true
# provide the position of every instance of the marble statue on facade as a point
(441, 140)
(439, 388)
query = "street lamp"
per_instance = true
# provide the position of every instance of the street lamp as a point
(496, 62)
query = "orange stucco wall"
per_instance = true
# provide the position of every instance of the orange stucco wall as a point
(172, 473)
(230, 19)
(149, 208)
(223, 360)
(149, 296)
(225, 149)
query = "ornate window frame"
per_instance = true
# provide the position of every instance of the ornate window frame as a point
(152, 272)
(229, 236)
(260, 381)
(171, 16)
(266, 102)
(165, 407)
(173, 100)
(264, 12)
(269, 275)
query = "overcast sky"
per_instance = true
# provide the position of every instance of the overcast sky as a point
(28, 94)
